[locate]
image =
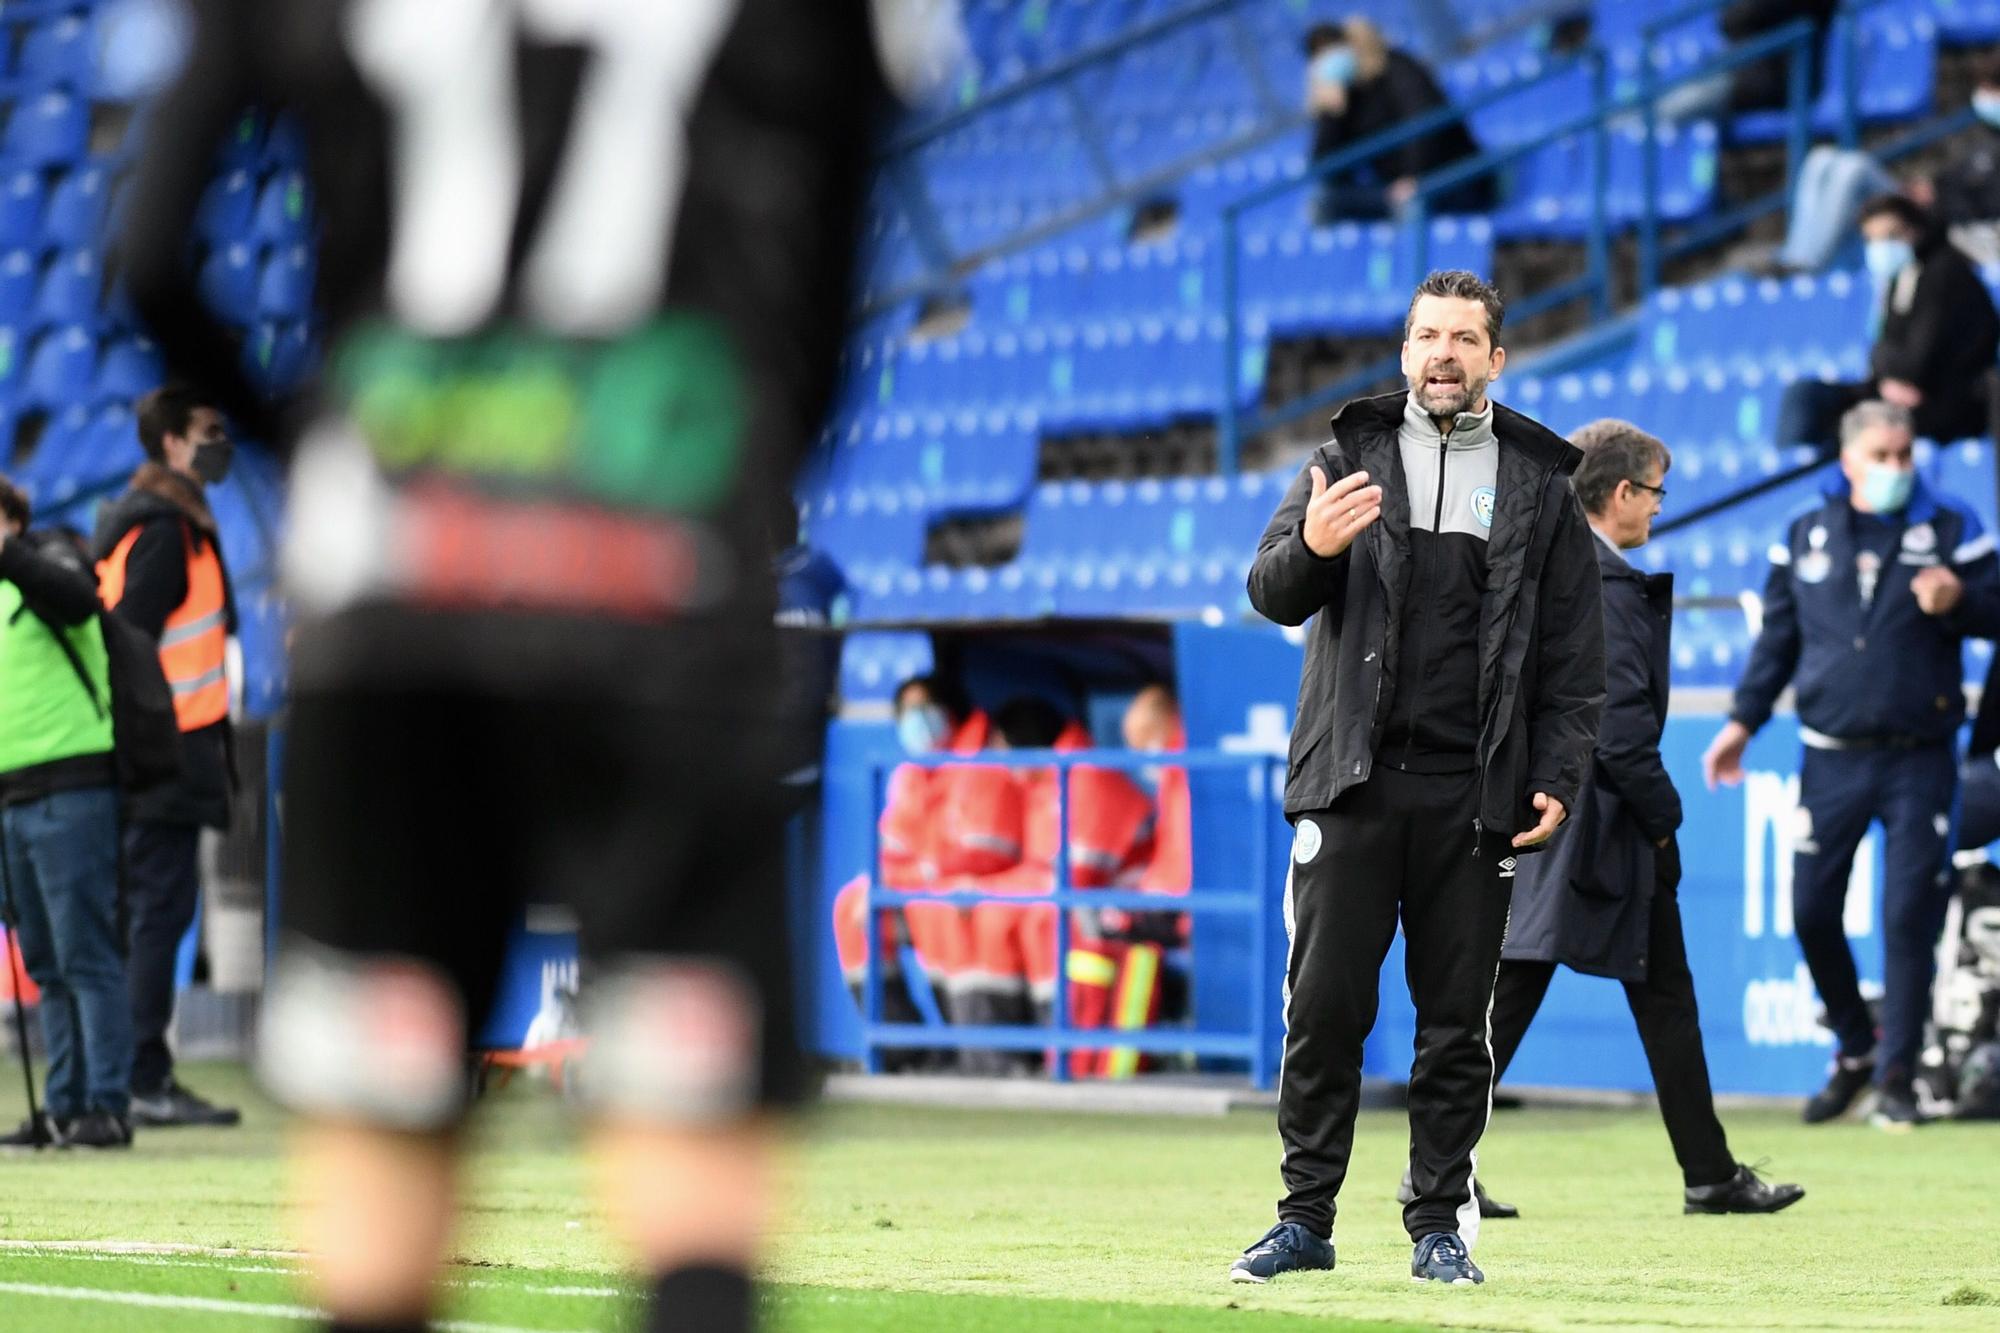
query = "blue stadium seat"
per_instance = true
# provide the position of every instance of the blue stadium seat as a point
(58, 51)
(283, 208)
(60, 368)
(278, 357)
(228, 282)
(130, 368)
(285, 287)
(1967, 22)
(20, 275)
(226, 206)
(76, 208)
(72, 289)
(47, 130)
(22, 195)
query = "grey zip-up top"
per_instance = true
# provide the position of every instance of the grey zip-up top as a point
(1433, 724)
(1540, 632)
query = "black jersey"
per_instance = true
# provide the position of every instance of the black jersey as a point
(583, 271)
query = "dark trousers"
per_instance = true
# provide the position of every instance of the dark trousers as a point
(1840, 793)
(1669, 1027)
(1809, 412)
(1979, 800)
(162, 887)
(61, 868)
(1398, 845)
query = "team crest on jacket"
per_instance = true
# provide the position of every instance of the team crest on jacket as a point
(1920, 539)
(1305, 842)
(1482, 506)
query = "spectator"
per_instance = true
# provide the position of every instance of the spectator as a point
(1963, 196)
(933, 716)
(1935, 343)
(59, 830)
(1357, 87)
(1115, 967)
(1762, 85)
(160, 567)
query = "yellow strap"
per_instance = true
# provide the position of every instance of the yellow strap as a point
(1088, 968)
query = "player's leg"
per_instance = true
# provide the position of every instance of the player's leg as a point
(1454, 923)
(396, 910)
(1837, 799)
(679, 880)
(1916, 890)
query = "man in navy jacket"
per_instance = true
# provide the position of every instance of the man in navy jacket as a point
(1870, 598)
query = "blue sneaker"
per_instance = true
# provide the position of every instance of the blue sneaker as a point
(1285, 1248)
(1441, 1257)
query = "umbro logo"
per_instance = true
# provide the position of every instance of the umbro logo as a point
(1507, 868)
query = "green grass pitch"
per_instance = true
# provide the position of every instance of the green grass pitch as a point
(971, 1221)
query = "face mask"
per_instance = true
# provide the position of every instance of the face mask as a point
(1986, 106)
(923, 729)
(1335, 66)
(1886, 257)
(1886, 488)
(211, 460)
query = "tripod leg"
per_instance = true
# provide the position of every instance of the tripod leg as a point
(13, 920)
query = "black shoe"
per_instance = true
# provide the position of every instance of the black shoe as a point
(1896, 1109)
(175, 1105)
(1441, 1257)
(39, 1132)
(1488, 1206)
(1850, 1078)
(1741, 1193)
(98, 1129)
(1286, 1248)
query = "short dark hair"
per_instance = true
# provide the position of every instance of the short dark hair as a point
(167, 410)
(1322, 35)
(943, 691)
(1986, 68)
(14, 503)
(1464, 286)
(1613, 451)
(1029, 722)
(1900, 207)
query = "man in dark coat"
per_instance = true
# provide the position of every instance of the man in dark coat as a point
(1453, 675)
(1357, 87)
(1604, 899)
(1935, 343)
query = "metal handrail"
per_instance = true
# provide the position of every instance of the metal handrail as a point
(1252, 1046)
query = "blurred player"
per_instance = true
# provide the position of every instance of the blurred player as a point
(584, 269)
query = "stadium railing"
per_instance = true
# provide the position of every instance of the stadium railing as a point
(1252, 1044)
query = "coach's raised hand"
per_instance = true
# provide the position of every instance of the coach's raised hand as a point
(1336, 514)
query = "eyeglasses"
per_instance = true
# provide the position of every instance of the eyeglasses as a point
(1659, 491)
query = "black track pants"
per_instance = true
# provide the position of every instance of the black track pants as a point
(1399, 845)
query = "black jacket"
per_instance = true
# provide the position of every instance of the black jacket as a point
(1968, 187)
(1403, 91)
(1587, 903)
(1541, 649)
(57, 588)
(1940, 332)
(155, 584)
(1763, 85)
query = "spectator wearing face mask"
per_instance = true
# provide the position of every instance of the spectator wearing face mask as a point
(1358, 86)
(931, 825)
(1936, 336)
(1963, 195)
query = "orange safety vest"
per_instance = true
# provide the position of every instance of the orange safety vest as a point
(194, 642)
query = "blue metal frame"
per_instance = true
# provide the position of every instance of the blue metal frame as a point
(1252, 1046)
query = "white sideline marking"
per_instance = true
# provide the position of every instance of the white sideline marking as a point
(205, 1305)
(161, 1256)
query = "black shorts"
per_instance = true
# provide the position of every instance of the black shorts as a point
(419, 823)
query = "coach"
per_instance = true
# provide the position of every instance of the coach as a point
(1871, 596)
(1453, 677)
(1605, 900)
